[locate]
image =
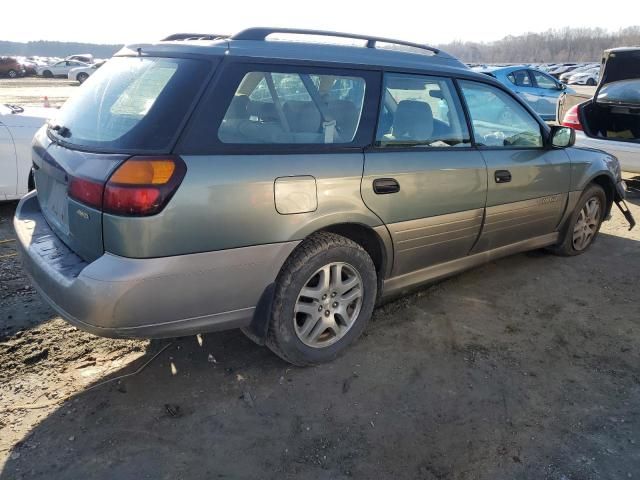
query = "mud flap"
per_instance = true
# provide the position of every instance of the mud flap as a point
(622, 205)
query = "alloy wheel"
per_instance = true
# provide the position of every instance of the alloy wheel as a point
(587, 224)
(328, 305)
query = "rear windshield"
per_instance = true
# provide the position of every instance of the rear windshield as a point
(131, 103)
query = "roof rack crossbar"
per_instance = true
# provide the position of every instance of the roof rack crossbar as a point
(189, 36)
(261, 33)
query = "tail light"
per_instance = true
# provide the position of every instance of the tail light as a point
(572, 118)
(140, 186)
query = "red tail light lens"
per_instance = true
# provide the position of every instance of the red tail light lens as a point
(86, 191)
(572, 118)
(142, 186)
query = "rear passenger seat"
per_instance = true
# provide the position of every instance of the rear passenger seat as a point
(258, 122)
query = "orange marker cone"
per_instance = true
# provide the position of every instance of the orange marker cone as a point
(46, 102)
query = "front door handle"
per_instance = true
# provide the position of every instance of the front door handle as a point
(502, 176)
(383, 186)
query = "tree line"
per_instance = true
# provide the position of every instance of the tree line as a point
(563, 45)
(46, 48)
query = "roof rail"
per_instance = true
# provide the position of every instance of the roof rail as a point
(194, 36)
(261, 33)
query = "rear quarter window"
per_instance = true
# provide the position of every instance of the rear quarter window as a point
(133, 104)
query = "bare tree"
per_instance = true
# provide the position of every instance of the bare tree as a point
(562, 45)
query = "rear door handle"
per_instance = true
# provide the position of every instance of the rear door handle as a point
(383, 186)
(502, 176)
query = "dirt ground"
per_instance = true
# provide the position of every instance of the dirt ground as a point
(526, 368)
(30, 91)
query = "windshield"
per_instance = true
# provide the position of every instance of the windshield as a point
(131, 103)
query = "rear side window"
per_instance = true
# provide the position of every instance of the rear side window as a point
(132, 103)
(420, 111)
(498, 120)
(544, 81)
(271, 107)
(520, 78)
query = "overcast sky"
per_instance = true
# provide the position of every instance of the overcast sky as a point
(124, 21)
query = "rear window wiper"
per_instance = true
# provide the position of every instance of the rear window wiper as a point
(63, 131)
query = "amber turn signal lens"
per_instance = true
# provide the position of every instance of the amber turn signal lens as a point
(144, 172)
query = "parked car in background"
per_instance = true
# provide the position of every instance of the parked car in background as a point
(84, 58)
(589, 77)
(537, 88)
(60, 69)
(293, 189)
(564, 77)
(80, 74)
(18, 125)
(11, 67)
(562, 68)
(610, 121)
(30, 67)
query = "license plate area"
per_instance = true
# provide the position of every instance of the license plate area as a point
(58, 205)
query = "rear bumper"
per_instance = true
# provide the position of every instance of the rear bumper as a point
(150, 298)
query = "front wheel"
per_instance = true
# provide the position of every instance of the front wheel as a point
(591, 82)
(47, 74)
(584, 224)
(12, 74)
(82, 77)
(324, 298)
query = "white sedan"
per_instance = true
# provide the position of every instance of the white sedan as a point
(60, 69)
(588, 77)
(80, 74)
(17, 127)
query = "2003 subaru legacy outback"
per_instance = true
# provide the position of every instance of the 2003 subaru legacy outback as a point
(284, 187)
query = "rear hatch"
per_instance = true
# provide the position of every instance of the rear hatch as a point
(133, 107)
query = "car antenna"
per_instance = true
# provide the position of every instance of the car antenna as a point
(139, 51)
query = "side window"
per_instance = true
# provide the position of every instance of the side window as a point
(520, 78)
(420, 111)
(293, 108)
(498, 120)
(544, 81)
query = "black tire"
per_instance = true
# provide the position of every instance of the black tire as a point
(12, 73)
(314, 253)
(81, 77)
(47, 74)
(31, 184)
(567, 247)
(591, 82)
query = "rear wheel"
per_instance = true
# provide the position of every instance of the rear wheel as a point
(591, 82)
(81, 77)
(325, 295)
(584, 224)
(12, 73)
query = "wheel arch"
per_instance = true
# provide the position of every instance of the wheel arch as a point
(376, 241)
(608, 185)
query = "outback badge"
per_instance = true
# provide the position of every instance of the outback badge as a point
(82, 214)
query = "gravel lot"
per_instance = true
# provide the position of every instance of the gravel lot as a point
(525, 368)
(32, 90)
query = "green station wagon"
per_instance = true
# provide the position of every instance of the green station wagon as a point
(282, 184)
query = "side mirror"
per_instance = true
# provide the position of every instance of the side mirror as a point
(562, 137)
(562, 86)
